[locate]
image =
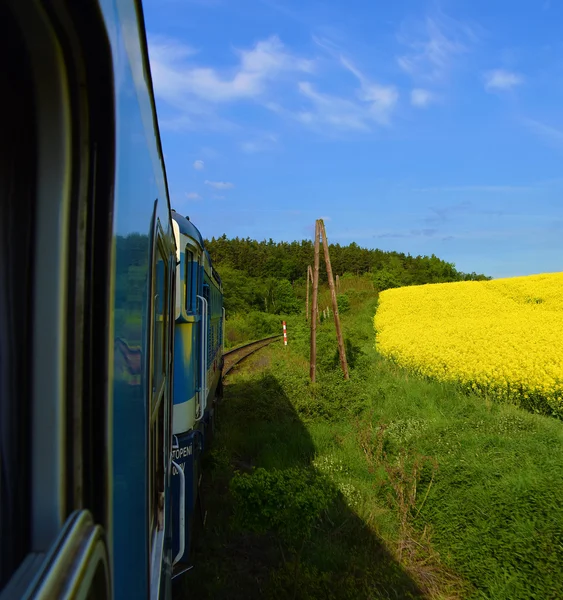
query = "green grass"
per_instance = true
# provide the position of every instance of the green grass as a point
(250, 326)
(409, 487)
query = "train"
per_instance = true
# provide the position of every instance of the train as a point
(111, 315)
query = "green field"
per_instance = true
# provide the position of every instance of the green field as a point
(386, 486)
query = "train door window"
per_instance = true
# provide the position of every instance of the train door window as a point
(221, 322)
(213, 304)
(189, 283)
(214, 319)
(192, 284)
(211, 331)
(198, 284)
(207, 296)
(171, 328)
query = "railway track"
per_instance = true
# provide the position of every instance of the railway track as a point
(236, 355)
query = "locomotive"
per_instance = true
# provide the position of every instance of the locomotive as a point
(111, 315)
(198, 366)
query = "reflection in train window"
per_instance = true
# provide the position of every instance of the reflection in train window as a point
(161, 286)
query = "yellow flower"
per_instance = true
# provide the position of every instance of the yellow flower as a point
(502, 337)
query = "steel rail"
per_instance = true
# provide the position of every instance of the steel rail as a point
(252, 346)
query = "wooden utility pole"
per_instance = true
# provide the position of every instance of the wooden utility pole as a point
(307, 300)
(315, 308)
(337, 284)
(341, 349)
(309, 277)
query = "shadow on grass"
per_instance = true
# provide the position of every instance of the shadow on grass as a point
(331, 555)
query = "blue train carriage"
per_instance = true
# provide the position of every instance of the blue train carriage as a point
(87, 300)
(198, 363)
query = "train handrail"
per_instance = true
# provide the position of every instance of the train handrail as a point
(203, 348)
(182, 506)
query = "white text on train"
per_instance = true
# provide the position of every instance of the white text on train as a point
(181, 452)
(175, 470)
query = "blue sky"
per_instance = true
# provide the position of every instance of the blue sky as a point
(410, 126)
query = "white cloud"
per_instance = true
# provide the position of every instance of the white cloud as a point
(219, 197)
(375, 105)
(193, 92)
(502, 80)
(220, 185)
(199, 165)
(372, 102)
(264, 73)
(433, 46)
(176, 79)
(193, 196)
(551, 134)
(421, 97)
(332, 110)
(381, 98)
(198, 117)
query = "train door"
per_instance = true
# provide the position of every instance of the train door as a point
(188, 406)
(159, 432)
(208, 337)
(198, 348)
(166, 585)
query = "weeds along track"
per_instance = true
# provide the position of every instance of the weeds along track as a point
(237, 355)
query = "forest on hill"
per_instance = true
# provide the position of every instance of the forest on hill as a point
(270, 276)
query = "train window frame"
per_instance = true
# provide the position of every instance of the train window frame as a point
(190, 309)
(189, 260)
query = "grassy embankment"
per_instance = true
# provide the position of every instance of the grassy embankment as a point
(251, 326)
(386, 486)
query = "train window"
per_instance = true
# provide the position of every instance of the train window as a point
(189, 283)
(192, 284)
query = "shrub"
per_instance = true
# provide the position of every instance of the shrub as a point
(343, 303)
(252, 325)
(286, 502)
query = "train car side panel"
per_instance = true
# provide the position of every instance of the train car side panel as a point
(197, 370)
(144, 244)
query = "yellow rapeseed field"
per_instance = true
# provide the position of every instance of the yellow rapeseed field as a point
(503, 338)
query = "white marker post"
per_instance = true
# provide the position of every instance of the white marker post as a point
(284, 334)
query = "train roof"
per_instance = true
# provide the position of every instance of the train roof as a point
(187, 227)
